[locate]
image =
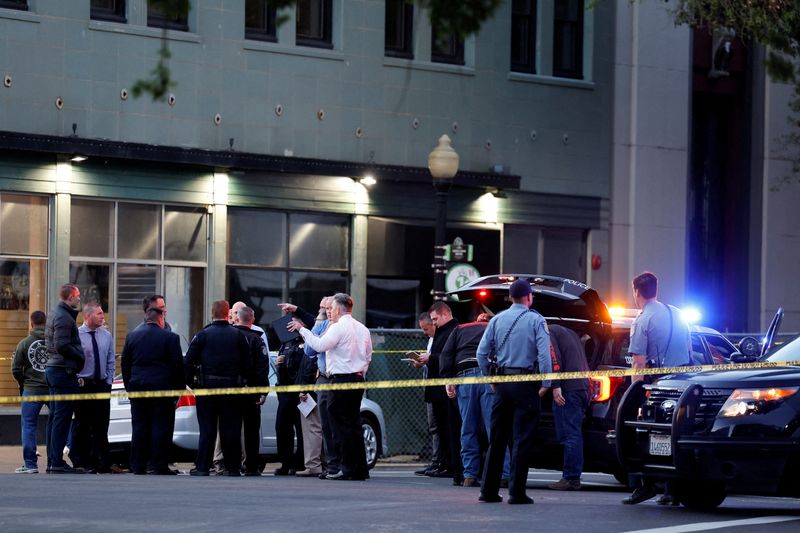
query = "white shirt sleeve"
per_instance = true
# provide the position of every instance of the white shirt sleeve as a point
(324, 343)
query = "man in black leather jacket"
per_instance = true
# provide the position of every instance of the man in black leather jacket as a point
(64, 360)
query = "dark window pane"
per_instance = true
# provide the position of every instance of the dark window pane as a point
(446, 48)
(318, 241)
(185, 233)
(159, 18)
(568, 39)
(393, 303)
(92, 228)
(22, 286)
(523, 36)
(306, 289)
(263, 291)
(256, 238)
(399, 28)
(139, 226)
(259, 20)
(314, 23)
(23, 224)
(15, 4)
(564, 253)
(113, 10)
(94, 282)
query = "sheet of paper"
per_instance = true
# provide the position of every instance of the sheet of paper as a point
(307, 406)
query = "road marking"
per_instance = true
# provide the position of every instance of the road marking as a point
(705, 526)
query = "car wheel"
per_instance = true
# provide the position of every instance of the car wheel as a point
(372, 439)
(699, 496)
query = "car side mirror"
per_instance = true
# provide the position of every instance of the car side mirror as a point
(737, 357)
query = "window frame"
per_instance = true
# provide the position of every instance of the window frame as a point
(532, 20)
(326, 41)
(576, 72)
(157, 20)
(406, 51)
(20, 5)
(269, 30)
(115, 14)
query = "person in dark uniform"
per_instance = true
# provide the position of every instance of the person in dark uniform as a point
(445, 406)
(251, 404)
(151, 361)
(518, 340)
(570, 401)
(218, 357)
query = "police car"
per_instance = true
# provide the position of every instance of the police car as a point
(187, 434)
(606, 335)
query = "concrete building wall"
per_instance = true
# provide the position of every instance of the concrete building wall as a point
(650, 145)
(551, 131)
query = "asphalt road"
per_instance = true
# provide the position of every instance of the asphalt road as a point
(392, 500)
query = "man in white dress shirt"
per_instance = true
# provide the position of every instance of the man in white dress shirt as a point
(348, 348)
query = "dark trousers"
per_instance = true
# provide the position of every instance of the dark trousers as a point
(344, 408)
(61, 381)
(440, 409)
(251, 427)
(287, 427)
(90, 436)
(515, 413)
(454, 436)
(226, 412)
(152, 424)
(332, 458)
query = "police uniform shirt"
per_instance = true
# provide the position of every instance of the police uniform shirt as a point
(650, 336)
(528, 343)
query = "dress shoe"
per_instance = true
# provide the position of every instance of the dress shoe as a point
(442, 472)
(283, 471)
(565, 484)
(196, 472)
(458, 481)
(490, 498)
(520, 500)
(424, 470)
(66, 469)
(116, 469)
(471, 482)
(639, 495)
(668, 499)
(84, 470)
(308, 472)
(337, 475)
(324, 475)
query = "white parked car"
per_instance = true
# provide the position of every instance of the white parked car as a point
(186, 434)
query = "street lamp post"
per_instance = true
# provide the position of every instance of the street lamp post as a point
(443, 165)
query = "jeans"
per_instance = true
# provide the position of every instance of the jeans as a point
(30, 420)
(475, 404)
(569, 420)
(61, 381)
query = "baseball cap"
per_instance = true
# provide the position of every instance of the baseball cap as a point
(519, 288)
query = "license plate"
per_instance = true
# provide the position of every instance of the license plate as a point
(660, 444)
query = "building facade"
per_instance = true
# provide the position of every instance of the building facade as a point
(245, 181)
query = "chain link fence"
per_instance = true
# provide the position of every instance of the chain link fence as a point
(404, 409)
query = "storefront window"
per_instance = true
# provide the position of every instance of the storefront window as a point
(256, 237)
(185, 234)
(184, 290)
(23, 224)
(139, 231)
(91, 228)
(318, 241)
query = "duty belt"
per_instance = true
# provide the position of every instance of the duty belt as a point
(514, 371)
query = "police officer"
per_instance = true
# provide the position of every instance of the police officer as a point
(660, 338)
(258, 377)
(152, 361)
(519, 340)
(218, 357)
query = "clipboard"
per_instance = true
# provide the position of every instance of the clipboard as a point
(279, 327)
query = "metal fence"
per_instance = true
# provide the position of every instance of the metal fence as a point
(404, 409)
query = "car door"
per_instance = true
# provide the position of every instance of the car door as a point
(268, 412)
(719, 348)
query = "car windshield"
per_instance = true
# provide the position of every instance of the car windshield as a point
(788, 353)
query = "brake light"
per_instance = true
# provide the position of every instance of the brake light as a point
(482, 294)
(603, 388)
(187, 400)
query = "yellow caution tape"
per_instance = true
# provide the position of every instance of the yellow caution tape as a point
(397, 384)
